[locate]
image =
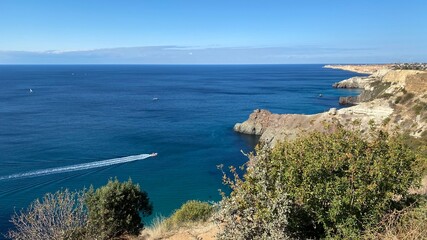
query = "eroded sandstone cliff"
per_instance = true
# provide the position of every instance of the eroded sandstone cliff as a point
(394, 100)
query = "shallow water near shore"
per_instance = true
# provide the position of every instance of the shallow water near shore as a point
(78, 114)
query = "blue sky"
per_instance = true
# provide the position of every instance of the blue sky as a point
(205, 31)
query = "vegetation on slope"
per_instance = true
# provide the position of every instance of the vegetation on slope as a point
(408, 223)
(321, 185)
(107, 213)
(191, 214)
(56, 216)
(115, 209)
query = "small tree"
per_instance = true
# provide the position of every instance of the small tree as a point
(115, 209)
(55, 216)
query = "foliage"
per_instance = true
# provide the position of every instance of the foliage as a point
(338, 184)
(420, 107)
(398, 99)
(189, 215)
(257, 208)
(406, 98)
(386, 95)
(409, 223)
(115, 208)
(419, 147)
(158, 229)
(55, 216)
(386, 121)
(190, 212)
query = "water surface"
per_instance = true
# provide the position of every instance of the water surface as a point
(82, 114)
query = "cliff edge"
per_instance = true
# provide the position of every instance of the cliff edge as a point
(390, 99)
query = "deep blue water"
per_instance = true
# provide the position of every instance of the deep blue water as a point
(78, 114)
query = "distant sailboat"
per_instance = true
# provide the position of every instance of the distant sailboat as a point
(155, 99)
(31, 90)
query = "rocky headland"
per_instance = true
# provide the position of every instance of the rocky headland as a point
(391, 99)
(361, 68)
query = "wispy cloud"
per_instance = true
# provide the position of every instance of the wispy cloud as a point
(193, 55)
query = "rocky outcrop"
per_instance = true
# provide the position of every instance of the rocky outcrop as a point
(277, 127)
(390, 99)
(348, 101)
(354, 82)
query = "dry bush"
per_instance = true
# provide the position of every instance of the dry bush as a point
(406, 224)
(56, 216)
(159, 229)
(202, 230)
(191, 214)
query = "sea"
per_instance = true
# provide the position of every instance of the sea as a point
(73, 126)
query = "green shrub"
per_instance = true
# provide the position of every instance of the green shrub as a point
(322, 186)
(56, 216)
(386, 95)
(419, 146)
(191, 212)
(257, 207)
(407, 97)
(115, 209)
(386, 121)
(420, 107)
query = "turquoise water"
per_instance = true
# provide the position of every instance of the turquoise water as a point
(81, 115)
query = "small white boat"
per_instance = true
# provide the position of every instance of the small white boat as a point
(31, 90)
(155, 99)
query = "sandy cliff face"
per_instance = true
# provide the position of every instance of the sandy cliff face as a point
(391, 99)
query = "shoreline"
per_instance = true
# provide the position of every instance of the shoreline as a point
(390, 99)
(359, 68)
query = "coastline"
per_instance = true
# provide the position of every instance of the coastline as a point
(390, 99)
(359, 68)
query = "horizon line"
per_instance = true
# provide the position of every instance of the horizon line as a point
(191, 64)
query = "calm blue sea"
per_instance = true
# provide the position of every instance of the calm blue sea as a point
(78, 114)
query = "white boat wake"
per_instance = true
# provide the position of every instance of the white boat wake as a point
(78, 167)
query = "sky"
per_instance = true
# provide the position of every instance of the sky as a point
(212, 32)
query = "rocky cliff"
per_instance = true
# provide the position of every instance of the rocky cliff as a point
(390, 99)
